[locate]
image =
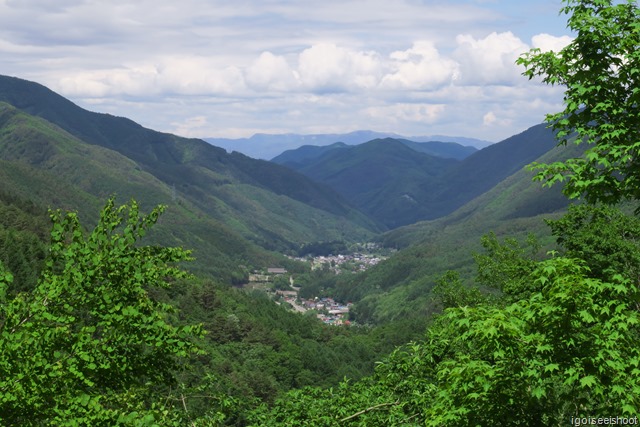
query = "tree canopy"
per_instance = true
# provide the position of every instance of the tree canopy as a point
(600, 69)
(89, 346)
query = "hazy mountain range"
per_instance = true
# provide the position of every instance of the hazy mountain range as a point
(268, 146)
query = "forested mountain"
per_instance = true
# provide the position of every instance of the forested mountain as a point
(232, 205)
(400, 182)
(484, 169)
(447, 150)
(384, 178)
(298, 158)
(253, 349)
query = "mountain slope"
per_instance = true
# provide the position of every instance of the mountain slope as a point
(266, 203)
(486, 168)
(447, 150)
(300, 156)
(400, 286)
(384, 178)
(46, 165)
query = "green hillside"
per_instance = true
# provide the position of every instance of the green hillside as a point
(484, 169)
(447, 150)
(49, 167)
(172, 159)
(267, 204)
(298, 157)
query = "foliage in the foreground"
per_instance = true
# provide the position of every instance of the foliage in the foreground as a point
(604, 237)
(253, 350)
(569, 349)
(88, 346)
(601, 71)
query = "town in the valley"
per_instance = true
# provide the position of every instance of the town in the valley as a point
(327, 309)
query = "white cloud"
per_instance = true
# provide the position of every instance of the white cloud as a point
(212, 66)
(44, 5)
(191, 126)
(489, 60)
(192, 75)
(420, 67)
(326, 67)
(270, 72)
(489, 118)
(547, 42)
(402, 112)
(182, 75)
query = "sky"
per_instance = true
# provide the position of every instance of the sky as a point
(210, 68)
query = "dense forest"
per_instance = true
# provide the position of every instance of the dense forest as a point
(102, 325)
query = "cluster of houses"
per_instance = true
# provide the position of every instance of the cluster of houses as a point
(338, 263)
(328, 310)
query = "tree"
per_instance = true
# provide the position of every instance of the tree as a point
(506, 266)
(89, 346)
(601, 71)
(602, 236)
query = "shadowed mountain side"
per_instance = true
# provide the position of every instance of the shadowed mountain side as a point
(299, 157)
(192, 165)
(486, 168)
(447, 150)
(384, 178)
(517, 197)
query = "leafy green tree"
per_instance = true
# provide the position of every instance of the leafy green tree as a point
(506, 266)
(600, 69)
(604, 237)
(89, 346)
(450, 291)
(565, 351)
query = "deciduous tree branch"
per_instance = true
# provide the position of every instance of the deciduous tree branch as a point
(371, 408)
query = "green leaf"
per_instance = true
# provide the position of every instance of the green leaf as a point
(588, 381)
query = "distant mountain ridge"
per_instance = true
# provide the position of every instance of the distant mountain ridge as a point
(337, 192)
(268, 146)
(397, 185)
(308, 153)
